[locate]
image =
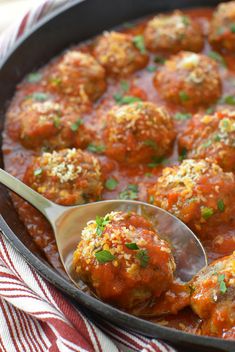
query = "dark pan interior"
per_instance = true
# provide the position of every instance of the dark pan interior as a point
(76, 21)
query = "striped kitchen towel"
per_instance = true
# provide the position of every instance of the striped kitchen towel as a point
(34, 315)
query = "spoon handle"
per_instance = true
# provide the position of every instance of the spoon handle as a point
(34, 198)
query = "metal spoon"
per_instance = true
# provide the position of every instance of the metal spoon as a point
(68, 223)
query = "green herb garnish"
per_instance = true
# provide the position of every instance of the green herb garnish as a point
(104, 256)
(131, 192)
(151, 68)
(101, 222)
(157, 161)
(221, 205)
(132, 246)
(138, 41)
(206, 212)
(126, 99)
(182, 116)
(56, 81)
(217, 57)
(217, 138)
(222, 284)
(39, 96)
(143, 257)
(151, 199)
(232, 27)
(111, 184)
(37, 172)
(229, 99)
(96, 148)
(185, 20)
(75, 126)
(159, 59)
(183, 154)
(34, 77)
(210, 110)
(183, 96)
(207, 143)
(125, 85)
(150, 143)
(56, 121)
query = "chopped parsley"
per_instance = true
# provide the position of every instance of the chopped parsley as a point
(56, 81)
(182, 116)
(217, 57)
(148, 174)
(216, 138)
(150, 143)
(124, 85)
(157, 161)
(132, 246)
(101, 222)
(151, 199)
(185, 20)
(210, 110)
(159, 59)
(143, 257)
(151, 68)
(222, 284)
(229, 99)
(138, 41)
(104, 256)
(96, 148)
(56, 121)
(206, 212)
(220, 205)
(183, 154)
(39, 96)
(75, 126)
(34, 77)
(131, 192)
(125, 99)
(37, 172)
(183, 96)
(207, 143)
(232, 27)
(111, 184)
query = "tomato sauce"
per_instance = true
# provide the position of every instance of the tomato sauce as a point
(17, 158)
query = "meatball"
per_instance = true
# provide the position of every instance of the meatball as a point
(172, 33)
(211, 136)
(119, 55)
(125, 250)
(189, 80)
(77, 74)
(138, 132)
(197, 192)
(67, 177)
(222, 27)
(49, 124)
(213, 298)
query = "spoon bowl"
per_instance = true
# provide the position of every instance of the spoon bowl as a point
(68, 223)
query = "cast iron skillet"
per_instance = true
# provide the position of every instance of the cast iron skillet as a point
(76, 21)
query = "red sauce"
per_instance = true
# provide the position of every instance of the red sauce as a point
(17, 158)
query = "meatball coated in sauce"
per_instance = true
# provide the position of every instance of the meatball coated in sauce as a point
(211, 136)
(172, 33)
(189, 80)
(138, 132)
(197, 192)
(122, 258)
(117, 53)
(78, 75)
(222, 27)
(67, 177)
(213, 298)
(48, 124)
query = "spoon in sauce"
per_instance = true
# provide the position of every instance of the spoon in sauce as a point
(68, 223)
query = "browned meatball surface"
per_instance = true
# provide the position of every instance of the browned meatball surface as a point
(213, 298)
(120, 53)
(138, 132)
(199, 193)
(171, 33)
(124, 260)
(211, 136)
(222, 27)
(79, 75)
(189, 80)
(41, 121)
(67, 177)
